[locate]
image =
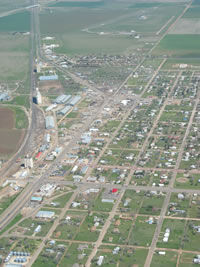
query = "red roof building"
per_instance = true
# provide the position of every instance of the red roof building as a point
(38, 155)
(114, 190)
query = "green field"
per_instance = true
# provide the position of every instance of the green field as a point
(18, 22)
(179, 45)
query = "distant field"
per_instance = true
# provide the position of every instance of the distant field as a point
(7, 5)
(196, 2)
(186, 45)
(88, 4)
(91, 44)
(150, 4)
(71, 21)
(16, 22)
(14, 57)
(144, 21)
(193, 12)
(187, 26)
(108, 28)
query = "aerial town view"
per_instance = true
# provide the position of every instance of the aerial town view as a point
(99, 133)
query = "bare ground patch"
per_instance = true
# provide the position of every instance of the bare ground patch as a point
(182, 180)
(10, 140)
(7, 118)
(51, 87)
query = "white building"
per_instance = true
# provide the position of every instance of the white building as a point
(100, 260)
(50, 123)
(38, 97)
(45, 214)
(28, 162)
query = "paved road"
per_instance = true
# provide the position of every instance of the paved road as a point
(33, 108)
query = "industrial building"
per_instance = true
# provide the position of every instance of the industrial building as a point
(48, 78)
(62, 99)
(45, 214)
(50, 123)
(38, 98)
(65, 110)
(74, 100)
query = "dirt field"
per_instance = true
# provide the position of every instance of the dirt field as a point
(10, 138)
(7, 119)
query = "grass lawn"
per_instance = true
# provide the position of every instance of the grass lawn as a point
(13, 222)
(177, 228)
(21, 120)
(142, 232)
(118, 232)
(61, 201)
(6, 202)
(72, 255)
(169, 259)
